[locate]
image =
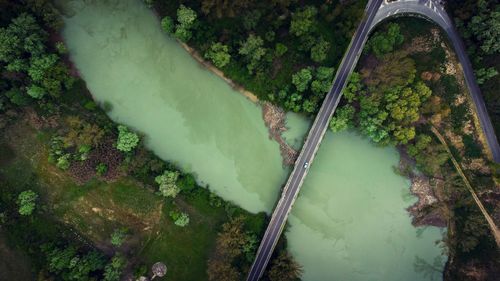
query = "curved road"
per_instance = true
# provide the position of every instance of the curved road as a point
(375, 12)
(436, 13)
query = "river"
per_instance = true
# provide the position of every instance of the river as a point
(349, 222)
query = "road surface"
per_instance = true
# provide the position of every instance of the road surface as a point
(375, 12)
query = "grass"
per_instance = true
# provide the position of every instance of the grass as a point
(97, 208)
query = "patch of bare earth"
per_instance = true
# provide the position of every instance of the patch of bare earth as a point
(274, 118)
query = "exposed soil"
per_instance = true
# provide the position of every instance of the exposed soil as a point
(275, 117)
(427, 210)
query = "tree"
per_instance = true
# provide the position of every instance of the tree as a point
(384, 42)
(113, 270)
(284, 268)
(70, 264)
(253, 51)
(118, 236)
(168, 183)
(485, 27)
(23, 50)
(167, 24)
(180, 218)
(485, 74)
(323, 80)
(220, 270)
(303, 21)
(251, 19)
(320, 50)
(186, 17)
(127, 140)
(218, 54)
(36, 92)
(27, 202)
(343, 118)
(302, 78)
(280, 49)
(225, 8)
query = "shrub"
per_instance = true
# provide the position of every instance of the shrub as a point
(118, 237)
(180, 218)
(64, 161)
(168, 183)
(167, 24)
(218, 54)
(127, 140)
(27, 202)
(101, 169)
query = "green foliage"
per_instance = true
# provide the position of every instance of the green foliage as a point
(485, 28)
(68, 263)
(218, 54)
(118, 236)
(101, 169)
(167, 25)
(303, 21)
(168, 183)
(23, 50)
(251, 19)
(280, 49)
(61, 48)
(113, 270)
(187, 182)
(302, 78)
(64, 161)
(186, 18)
(127, 140)
(27, 202)
(180, 218)
(354, 88)
(36, 92)
(343, 118)
(472, 148)
(384, 42)
(253, 51)
(323, 80)
(485, 74)
(17, 97)
(320, 50)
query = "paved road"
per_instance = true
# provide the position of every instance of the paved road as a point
(435, 12)
(375, 12)
(311, 145)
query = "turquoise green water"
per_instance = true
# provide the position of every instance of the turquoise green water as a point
(349, 222)
(189, 115)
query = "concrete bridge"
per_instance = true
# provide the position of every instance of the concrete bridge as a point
(375, 12)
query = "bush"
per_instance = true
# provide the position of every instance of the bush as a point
(101, 169)
(168, 183)
(27, 202)
(118, 237)
(218, 54)
(187, 182)
(127, 140)
(472, 148)
(167, 24)
(180, 218)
